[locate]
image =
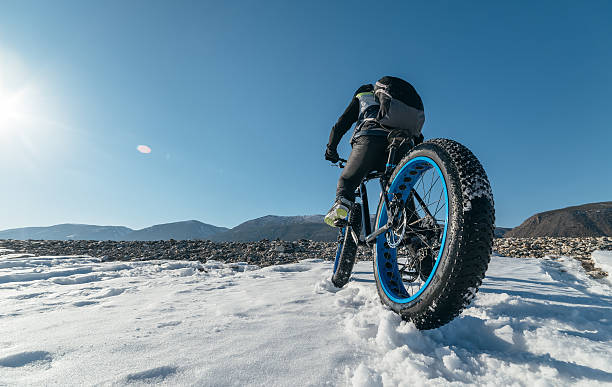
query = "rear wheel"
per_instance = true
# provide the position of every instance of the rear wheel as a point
(347, 248)
(430, 264)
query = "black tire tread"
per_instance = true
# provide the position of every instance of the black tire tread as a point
(349, 249)
(475, 239)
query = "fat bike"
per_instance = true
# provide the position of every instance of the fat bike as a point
(432, 235)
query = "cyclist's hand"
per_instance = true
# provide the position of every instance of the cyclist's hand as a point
(332, 155)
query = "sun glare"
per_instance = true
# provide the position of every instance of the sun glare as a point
(13, 109)
(28, 129)
(143, 149)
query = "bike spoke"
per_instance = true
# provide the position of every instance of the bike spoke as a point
(420, 230)
(430, 187)
(439, 200)
(422, 184)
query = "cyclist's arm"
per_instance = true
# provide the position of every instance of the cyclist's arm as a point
(346, 120)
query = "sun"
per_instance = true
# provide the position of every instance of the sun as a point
(28, 114)
(13, 110)
(30, 132)
(22, 97)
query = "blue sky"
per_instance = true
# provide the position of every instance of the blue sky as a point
(236, 100)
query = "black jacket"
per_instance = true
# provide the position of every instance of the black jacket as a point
(365, 109)
(348, 118)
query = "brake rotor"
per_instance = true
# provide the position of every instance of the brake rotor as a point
(396, 234)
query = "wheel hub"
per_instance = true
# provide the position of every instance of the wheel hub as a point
(396, 233)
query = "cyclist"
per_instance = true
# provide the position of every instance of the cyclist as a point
(391, 104)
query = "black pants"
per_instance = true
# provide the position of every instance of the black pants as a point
(369, 154)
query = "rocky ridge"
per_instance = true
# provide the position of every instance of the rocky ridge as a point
(586, 220)
(262, 253)
(267, 252)
(579, 248)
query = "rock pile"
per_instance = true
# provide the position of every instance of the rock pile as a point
(578, 248)
(262, 253)
(266, 252)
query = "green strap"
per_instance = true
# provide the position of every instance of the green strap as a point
(364, 93)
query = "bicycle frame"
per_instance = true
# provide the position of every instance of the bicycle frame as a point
(361, 191)
(429, 254)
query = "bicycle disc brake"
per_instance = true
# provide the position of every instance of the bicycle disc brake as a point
(396, 233)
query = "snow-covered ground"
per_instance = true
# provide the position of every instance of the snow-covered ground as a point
(603, 259)
(77, 320)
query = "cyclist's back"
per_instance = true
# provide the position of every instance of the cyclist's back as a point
(389, 105)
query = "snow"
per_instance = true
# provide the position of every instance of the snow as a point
(603, 260)
(81, 321)
(478, 187)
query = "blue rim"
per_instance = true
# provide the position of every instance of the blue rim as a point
(386, 258)
(339, 251)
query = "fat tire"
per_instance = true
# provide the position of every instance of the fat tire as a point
(346, 259)
(469, 238)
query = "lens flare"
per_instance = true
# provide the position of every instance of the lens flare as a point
(143, 149)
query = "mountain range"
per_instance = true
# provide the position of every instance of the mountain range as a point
(190, 229)
(594, 219)
(288, 228)
(68, 231)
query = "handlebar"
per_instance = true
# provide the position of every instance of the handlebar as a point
(339, 164)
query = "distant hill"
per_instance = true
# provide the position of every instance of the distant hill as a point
(593, 219)
(501, 231)
(190, 229)
(288, 228)
(68, 231)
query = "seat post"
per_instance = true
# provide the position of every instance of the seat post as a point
(391, 159)
(397, 139)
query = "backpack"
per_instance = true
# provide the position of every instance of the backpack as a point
(401, 106)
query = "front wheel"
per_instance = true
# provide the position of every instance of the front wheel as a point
(347, 248)
(429, 265)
